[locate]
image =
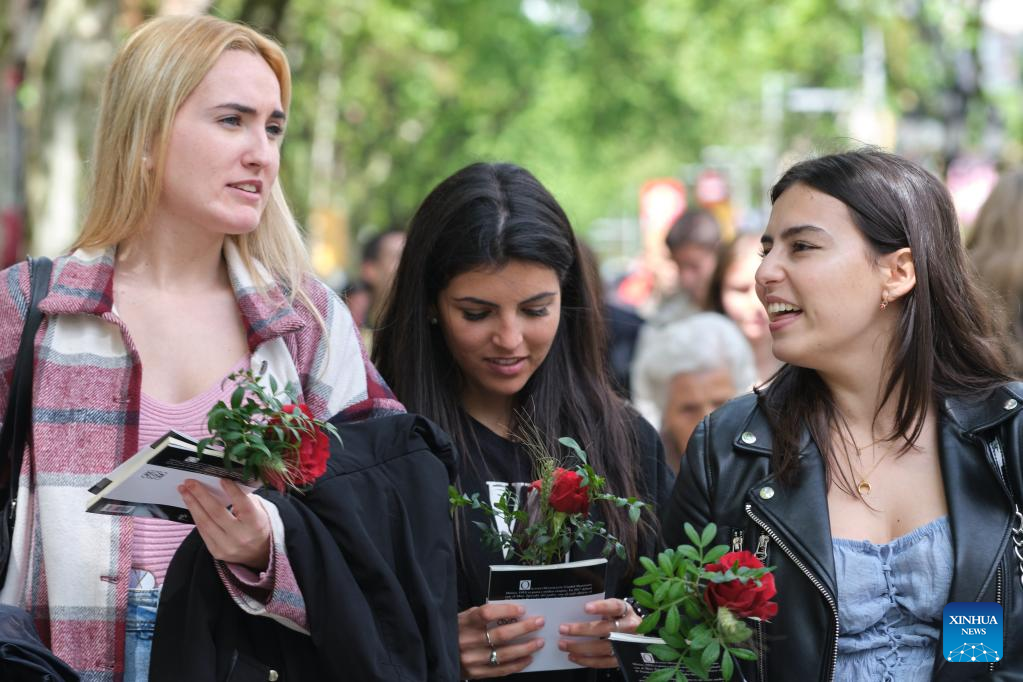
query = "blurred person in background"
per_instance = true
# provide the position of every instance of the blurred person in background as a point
(693, 242)
(358, 297)
(687, 370)
(733, 293)
(380, 258)
(622, 325)
(995, 246)
(365, 296)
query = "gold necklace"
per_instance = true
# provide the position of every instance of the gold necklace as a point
(864, 485)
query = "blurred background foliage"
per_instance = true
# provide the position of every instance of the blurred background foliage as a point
(594, 97)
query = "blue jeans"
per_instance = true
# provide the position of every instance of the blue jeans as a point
(138, 633)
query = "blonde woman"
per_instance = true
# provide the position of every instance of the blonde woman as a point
(995, 246)
(189, 267)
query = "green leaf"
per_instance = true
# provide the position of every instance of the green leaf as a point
(691, 533)
(715, 554)
(672, 621)
(634, 513)
(645, 599)
(649, 623)
(695, 666)
(676, 642)
(744, 654)
(648, 564)
(689, 552)
(661, 592)
(708, 534)
(663, 675)
(702, 640)
(237, 451)
(664, 562)
(571, 443)
(664, 652)
(237, 397)
(710, 655)
(727, 666)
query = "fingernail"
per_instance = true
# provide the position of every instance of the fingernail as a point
(563, 645)
(519, 611)
(539, 644)
(563, 630)
(539, 622)
(590, 608)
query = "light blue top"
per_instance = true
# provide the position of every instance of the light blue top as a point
(890, 599)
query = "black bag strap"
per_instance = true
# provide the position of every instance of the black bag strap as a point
(18, 418)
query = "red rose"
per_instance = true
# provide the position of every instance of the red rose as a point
(745, 600)
(566, 494)
(313, 452)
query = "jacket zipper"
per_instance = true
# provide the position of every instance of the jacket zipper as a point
(813, 579)
(761, 554)
(737, 537)
(994, 449)
(998, 600)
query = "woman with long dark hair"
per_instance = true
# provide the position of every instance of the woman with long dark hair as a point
(494, 327)
(879, 468)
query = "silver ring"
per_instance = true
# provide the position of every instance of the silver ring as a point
(625, 609)
(617, 626)
(493, 657)
(486, 633)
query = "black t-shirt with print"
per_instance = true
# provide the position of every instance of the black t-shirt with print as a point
(499, 462)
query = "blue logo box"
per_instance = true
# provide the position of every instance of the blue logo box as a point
(972, 632)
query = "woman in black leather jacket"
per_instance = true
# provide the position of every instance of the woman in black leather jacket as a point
(879, 468)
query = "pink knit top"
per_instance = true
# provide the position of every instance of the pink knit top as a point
(156, 540)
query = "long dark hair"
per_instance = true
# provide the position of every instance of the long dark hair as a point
(486, 215)
(945, 343)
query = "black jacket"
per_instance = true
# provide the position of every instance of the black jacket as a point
(726, 478)
(372, 548)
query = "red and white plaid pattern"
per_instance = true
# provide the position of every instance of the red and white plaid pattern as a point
(69, 568)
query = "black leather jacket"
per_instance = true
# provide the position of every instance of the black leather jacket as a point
(726, 478)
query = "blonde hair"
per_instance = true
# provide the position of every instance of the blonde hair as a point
(158, 67)
(995, 246)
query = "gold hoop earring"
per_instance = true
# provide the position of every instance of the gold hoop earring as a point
(884, 300)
